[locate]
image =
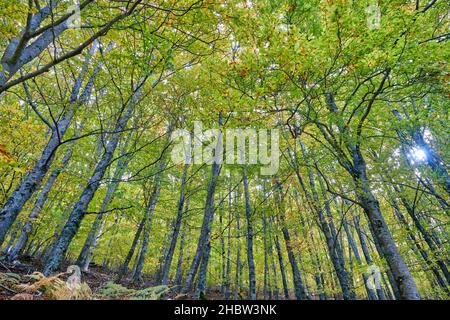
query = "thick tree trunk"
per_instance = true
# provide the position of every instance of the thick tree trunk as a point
(204, 245)
(31, 181)
(400, 271)
(43, 195)
(417, 244)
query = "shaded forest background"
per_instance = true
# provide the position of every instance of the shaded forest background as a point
(91, 93)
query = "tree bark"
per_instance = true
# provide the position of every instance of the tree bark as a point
(250, 259)
(73, 223)
(28, 185)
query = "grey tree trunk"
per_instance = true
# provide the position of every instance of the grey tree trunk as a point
(176, 229)
(334, 249)
(12, 238)
(31, 181)
(429, 240)
(238, 252)
(222, 249)
(266, 290)
(150, 210)
(18, 53)
(228, 267)
(250, 259)
(73, 223)
(357, 168)
(402, 276)
(179, 272)
(417, 244)
(203, 246)
(300, 291)
(95, 231)
(282, 271)
(124, 268)
(43, 195)
(274, 285)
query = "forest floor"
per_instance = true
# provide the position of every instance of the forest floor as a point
(97, 278)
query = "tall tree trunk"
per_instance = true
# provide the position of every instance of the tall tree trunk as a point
(73, 223)
(411, 236)
(176, 229)
(124, 268)
(266, 290)
(429, 240)
(150, 210)
(203, 246)
(10, 243)
(238, 251)
(179, 272)
(400, 271)
(300, 291)
(334, 249)
(250, 259)
(282, 271)
(96, 229)
(274, 283)
(31, 181)
(43, 195)
(228, 265)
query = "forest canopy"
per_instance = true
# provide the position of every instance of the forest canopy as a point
(264, 149)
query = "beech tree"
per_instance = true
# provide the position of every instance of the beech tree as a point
(337, 111)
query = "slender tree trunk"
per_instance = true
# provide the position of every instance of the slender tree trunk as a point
(280, 261)
(266, 258)
(43, 195)
(203, 246)
(250, 259)
(352, 245)
(228, 264)
(179, 272)
(79, 210)
(176, 229)
(124, 268)
(31, 181)
(96, 229)
(150, 212)
(334, 249)
(275, 290)
(238, 252)
(422, 251)
(300, 292)
(12, 238)
(427, 237)
(400, 271)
